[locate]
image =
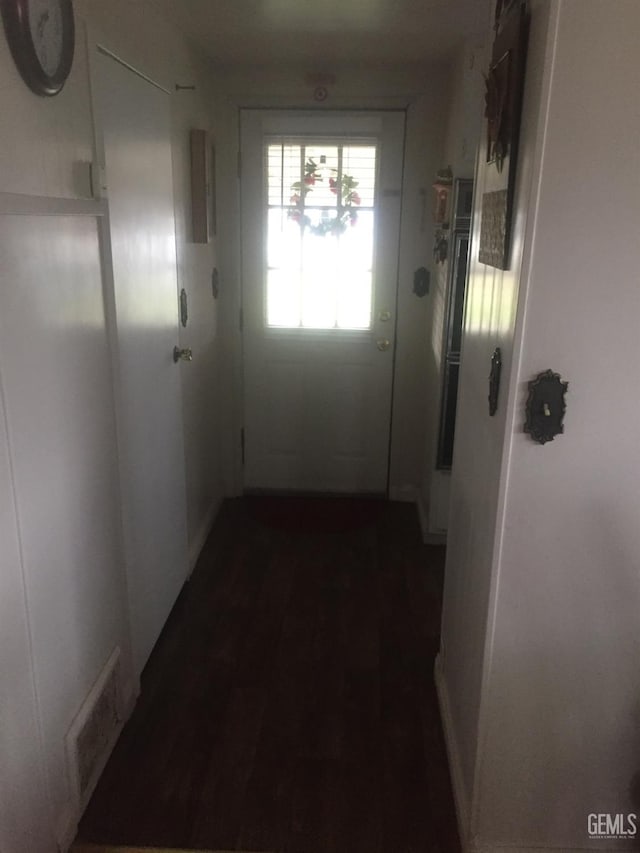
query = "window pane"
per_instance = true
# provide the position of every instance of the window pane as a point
(359, 161)
(320, 282)
(354, 304)
(356, 244)
(283, 169)
(283, 294)
(283, 240)
(355, 259)
(326, 159)
(320, 230)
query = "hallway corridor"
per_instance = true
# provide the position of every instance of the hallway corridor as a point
(289, 704)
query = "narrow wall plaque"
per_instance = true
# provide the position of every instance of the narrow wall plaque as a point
(493, 230)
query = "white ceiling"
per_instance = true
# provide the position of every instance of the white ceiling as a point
(327, 33)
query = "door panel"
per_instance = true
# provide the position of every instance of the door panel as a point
(318, 400)
(135, 120)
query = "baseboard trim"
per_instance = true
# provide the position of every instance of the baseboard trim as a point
(196, 546)
(410, 494)
(469, 843)
(404, 494)
(428, 537)
(67, 826)
(455, 765)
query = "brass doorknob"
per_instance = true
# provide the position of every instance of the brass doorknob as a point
(182, 354)
(383, 344)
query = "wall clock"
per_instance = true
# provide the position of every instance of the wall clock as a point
(41, 35)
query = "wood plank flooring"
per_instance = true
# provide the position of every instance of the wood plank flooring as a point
(289, 704)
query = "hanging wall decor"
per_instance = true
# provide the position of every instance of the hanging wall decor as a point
(421, 281)
(502, 8)
(203, 193)
(442, 189)
(493, 230)
(184, 307)
(496, 110)
(504, 82)
(545, 407)
(494, 380)
(41, 37)
(343, 186)
(441, 246)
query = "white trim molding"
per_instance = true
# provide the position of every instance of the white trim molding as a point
(469, 843)
(453, 754)
(428, 537)
(16, 204)
(196, 546)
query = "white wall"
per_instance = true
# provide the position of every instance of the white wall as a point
(414, 398)
(561, 708)
(490, 321)
(422, 92)
(463, 124)
(24, 808)
(62, 585)
(55, 363)
(538, 669)
(465, 107)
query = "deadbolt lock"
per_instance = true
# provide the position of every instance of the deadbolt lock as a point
(383, 344)
(384, 316)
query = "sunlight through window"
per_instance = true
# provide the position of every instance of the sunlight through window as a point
(320, 234)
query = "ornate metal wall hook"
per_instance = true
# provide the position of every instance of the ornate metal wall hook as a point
(545, 407)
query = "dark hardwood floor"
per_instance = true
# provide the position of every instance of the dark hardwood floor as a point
(289, 704)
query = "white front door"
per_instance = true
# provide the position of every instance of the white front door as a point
(134, 116)
(321, 196)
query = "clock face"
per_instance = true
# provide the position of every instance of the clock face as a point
(45, 25)
(41, 36)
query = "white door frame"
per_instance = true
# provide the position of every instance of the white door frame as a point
(414, 101)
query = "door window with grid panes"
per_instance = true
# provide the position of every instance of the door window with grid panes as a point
(320, 233)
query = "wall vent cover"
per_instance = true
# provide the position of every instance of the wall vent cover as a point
(95, 729)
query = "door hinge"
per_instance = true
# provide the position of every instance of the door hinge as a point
(242, 444)
(239, 164)
(241, 320)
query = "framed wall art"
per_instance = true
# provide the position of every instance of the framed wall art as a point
(504, 83)
(503, 8)
(493, 230)
(203, 191)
